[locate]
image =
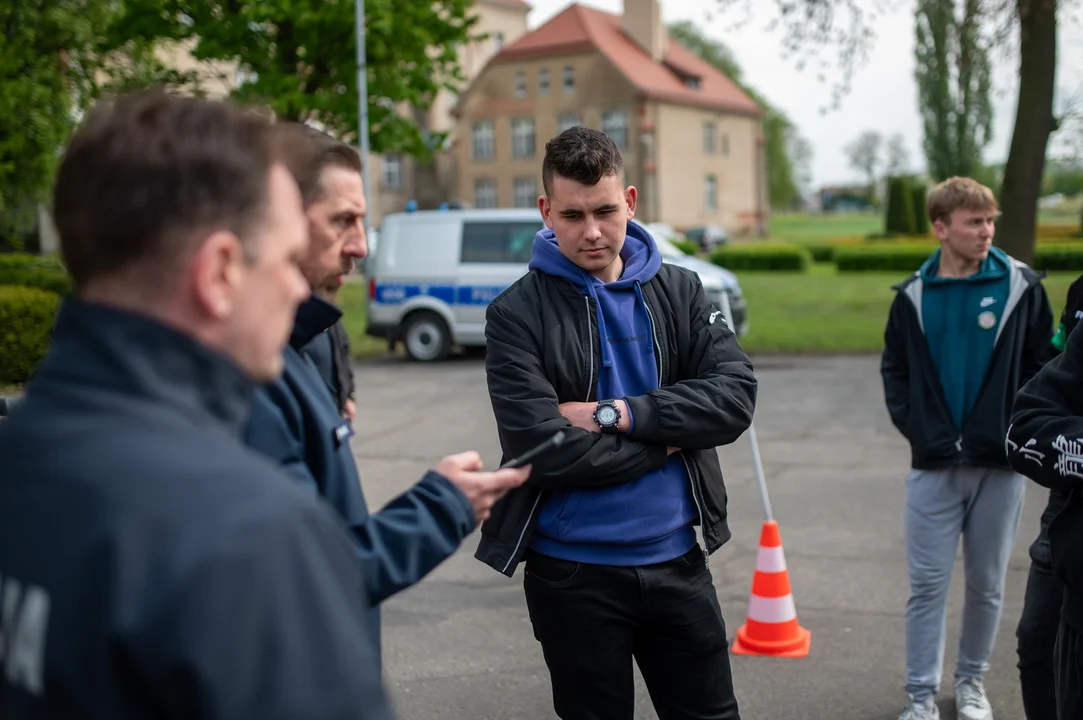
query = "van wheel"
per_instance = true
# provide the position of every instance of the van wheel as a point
(427, 337)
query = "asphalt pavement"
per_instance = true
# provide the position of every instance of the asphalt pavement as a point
(459, 645)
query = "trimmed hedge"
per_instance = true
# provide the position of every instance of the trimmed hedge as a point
(26, 325)
(763, 256)
(1059, 256)
(895, 257)
(909, 257)
(46, 273)
(688, 247)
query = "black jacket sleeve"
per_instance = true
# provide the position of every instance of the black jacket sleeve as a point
(715, 404)
(894, 367)
(268, 626)
(1045, 438)
(527, 413)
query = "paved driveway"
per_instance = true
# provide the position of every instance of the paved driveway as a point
(459, 645)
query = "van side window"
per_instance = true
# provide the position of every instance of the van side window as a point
(498, 241)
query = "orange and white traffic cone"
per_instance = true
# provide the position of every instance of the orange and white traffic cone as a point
(772, 627)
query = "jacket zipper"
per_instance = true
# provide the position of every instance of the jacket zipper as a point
(687, 468)
(590, 385)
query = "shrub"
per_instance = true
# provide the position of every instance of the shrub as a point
(899, 216)
(822, 252)
(921, 216)
(1059, 256)
(764, 256)
(46, 273)
(897, 257)
(26, 324)
(686, 246)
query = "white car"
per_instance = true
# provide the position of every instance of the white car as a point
(431, 275)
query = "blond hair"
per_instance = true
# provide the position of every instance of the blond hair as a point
(959, 192)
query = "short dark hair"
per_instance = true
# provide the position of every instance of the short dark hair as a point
(145, 175)
(307, 152)
(581, 154)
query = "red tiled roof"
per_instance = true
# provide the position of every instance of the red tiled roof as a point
(580, 29)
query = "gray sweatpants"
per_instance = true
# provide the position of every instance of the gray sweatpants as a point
(984, 506)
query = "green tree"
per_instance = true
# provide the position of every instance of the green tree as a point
(788, 153)
(842, 27)
(299, 56)
(953, 80)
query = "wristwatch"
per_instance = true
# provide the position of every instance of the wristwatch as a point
(607, 415)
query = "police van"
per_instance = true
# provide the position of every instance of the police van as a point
(432, 274)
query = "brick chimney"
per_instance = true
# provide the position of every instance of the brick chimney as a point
(642, 21)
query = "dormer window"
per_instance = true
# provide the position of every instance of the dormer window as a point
(692, 82)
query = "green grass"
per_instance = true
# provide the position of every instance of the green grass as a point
(824, 312)
(818, 312)
(805, 229)
(352, 298)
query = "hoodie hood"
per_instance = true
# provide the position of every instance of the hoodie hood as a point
(642, 260)
(640, 255)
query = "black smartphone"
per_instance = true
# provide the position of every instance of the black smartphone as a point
(525, 458)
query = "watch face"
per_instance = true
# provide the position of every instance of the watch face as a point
(607, 415)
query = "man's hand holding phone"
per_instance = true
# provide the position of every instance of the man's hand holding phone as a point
(482, 489)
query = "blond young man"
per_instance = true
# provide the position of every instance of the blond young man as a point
(965, 333)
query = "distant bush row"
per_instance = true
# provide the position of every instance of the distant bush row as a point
(872, 257)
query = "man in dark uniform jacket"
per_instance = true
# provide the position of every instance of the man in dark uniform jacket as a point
(296, 422)
(1037, 631)
(151, 566)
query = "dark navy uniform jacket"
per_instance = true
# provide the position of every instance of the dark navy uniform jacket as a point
(152, 566)
(295, 421)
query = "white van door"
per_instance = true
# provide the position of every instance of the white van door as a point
(494, 255)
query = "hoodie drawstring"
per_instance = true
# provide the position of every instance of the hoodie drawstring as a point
(643, 304)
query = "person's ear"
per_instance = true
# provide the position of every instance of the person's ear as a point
(216, 271)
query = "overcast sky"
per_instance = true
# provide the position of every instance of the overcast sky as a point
(883, 94)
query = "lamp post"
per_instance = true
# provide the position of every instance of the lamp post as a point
(362, 100)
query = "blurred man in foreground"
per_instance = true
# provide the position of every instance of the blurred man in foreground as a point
(150, 565)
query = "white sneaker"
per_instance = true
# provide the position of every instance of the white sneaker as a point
(926, 710)
(971, 702)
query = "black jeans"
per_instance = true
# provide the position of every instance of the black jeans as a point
(1069, 653)
(1037, 631)
(591, 620)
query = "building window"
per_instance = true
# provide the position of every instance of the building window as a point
(392, 171)
(569, 79)
(498, 41)
(710, 193)
(615, 125)
(566, 120)
(709, 137)
(485, 193)
(522, 137)
(484, 140)
(526, 192)
(520, 84)
(499, 241)
(725, 144)
(692, 82)
(543, 82)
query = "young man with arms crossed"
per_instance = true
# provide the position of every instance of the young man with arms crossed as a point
(296, 422)
(965, 332)
(626, 355)
(151, 566)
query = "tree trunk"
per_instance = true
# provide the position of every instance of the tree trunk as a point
(1034, 122)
